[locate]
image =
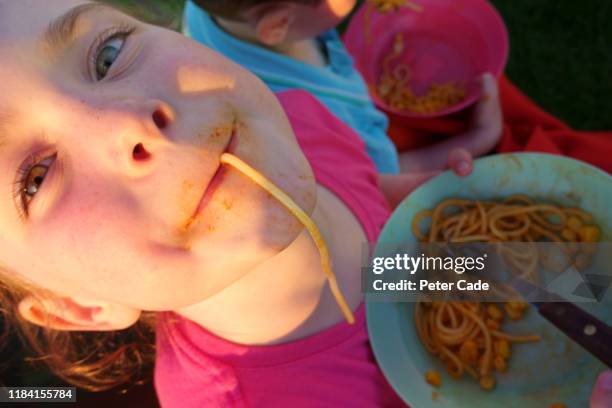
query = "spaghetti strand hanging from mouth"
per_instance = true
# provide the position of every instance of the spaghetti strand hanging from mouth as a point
(297, 212)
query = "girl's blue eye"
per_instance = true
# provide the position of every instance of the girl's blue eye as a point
(107, 55)
(107, 48)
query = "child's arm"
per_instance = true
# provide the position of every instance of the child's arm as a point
(483, 135)
(395, 187)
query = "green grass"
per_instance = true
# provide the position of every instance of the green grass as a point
(560, 55)
(167, 13)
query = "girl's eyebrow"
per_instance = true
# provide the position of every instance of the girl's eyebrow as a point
(60, 32)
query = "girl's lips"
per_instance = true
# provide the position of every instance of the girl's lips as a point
(215, 181)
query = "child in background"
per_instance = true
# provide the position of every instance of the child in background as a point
(293, 44)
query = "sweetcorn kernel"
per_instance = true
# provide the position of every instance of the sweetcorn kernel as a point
(469, 351)
(574, 223)
(502, 348)
(514, 312)
(568, 235)
(433, 378)
(487, 382)
(589, 233)
(495, 312)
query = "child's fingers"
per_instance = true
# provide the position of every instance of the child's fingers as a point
(488, 84)
(488, 109)
(460, 162)
(602, 392)
(486, 125)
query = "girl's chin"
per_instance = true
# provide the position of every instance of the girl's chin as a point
(242, 217)
(245, 249)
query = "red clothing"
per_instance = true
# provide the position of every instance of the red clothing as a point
(526, 128)
(333, 368)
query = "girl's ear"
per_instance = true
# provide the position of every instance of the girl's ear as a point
(70, 314)
(273, 24)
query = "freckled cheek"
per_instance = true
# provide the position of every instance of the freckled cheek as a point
(94, 220)
(90, 249)
(70, 253)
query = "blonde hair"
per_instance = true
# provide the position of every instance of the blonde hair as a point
(95, 361)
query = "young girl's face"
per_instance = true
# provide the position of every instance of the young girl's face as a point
(110, 182)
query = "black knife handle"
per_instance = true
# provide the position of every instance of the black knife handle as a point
(582, 327)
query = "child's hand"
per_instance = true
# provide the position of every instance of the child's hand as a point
(460, 162)
(482, 136)
(602, 391)
(396, 187)
(486, 124)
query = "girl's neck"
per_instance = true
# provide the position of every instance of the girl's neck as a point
(287, 297)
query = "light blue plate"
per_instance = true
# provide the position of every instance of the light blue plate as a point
(552, 370)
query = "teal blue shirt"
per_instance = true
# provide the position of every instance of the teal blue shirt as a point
(338, 85)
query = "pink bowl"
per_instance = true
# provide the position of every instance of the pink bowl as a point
(450, 40)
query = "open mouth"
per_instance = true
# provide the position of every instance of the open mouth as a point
(215, 181)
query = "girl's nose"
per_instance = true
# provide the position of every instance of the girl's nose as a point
(148, 129)
(161, 116)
